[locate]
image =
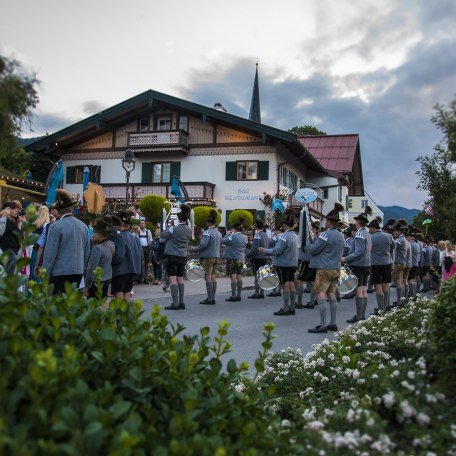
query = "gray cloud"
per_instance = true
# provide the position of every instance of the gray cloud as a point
(90, 107)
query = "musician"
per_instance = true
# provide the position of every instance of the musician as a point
(420, 239)
(286, 260)
(306, 273)
(145, 238)
(415, 249)
(209, 252)
(426, 265)
(329, 248)
(177, 239)
(234, 253)
(349, 235)
(257, 259)
(360, 261)
(278, 229)
(381, 258)
(400, 258)
(408, 263)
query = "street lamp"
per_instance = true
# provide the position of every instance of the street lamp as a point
(128, 164)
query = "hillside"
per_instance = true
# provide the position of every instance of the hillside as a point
(398, 212)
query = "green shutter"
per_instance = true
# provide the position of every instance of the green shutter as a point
(146, 177)
(227, 223)
(263, 170)
(95, 172)
(70, 174)
(175, 169)
(260, 215)
(231, 171)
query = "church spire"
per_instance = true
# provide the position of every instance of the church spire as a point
(255, 112)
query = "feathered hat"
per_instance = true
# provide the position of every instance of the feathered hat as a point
(259, 224)
(213, 214)
(375, 223)
(363, 216)
(316, 225)
(400, 225)
(334, 215)
(388, 226)
(102, 226)
(125, 216)
(63, 199)
(184, 213)
(289, 218)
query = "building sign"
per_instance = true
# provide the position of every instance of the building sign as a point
(306, 195)
(243, 194)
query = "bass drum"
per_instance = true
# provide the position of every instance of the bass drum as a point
(347, 281)
(194, 270)
(267, 277)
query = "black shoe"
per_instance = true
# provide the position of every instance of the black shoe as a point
(172, 307)
(376, 311)
(354, 319)
(292, 312)
(331, 327)
(282, 312)
(238, 298)
(309, 306)
(388, 308)
(213, 302)
(318, 329)
(271, 295)
(338, 298)
(394, 304)
(182, 306)
(348, 296)
(206, 301)
(299, 306)
(278, 294)
(254, 296)
(307, 290)
(231, 299)
(370, 291)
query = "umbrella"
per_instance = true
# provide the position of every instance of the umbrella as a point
(426, 222)
(53, 182)
(278, 204)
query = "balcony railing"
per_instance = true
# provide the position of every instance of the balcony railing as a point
(316, 207)
(158, 138)
(197, 191)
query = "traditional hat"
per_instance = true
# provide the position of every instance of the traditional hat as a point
(419, 236)
(363, 216)
(63, 199)
(316, 225)
(239, 224)
(259, 224)
(334, 215)
(388, 226)
(347, 230)
(213, 214)
(102, 226)
(289, 218)
(184, 213)
(400, 225)
(278, 227)
(113, 220)
(125, 216)
(375, 223)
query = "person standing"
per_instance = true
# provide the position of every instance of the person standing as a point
(360, 260)
(234, 253)
(278, 229)
(349, 235)
(10, 234)
(67, 245)
(145, 239)
(286, 260)
(415, 249)
(400, 259)
(177, 239)
(329, 247)
(209, 252)
(257, 259)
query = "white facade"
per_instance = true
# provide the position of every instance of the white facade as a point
(358, 203)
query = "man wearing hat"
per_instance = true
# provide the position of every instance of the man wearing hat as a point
(381, 259)
(209, 252)
(177, 239)
(67, 245)
(328, 248)
(360, 261)
(415, 253)
(400, 258)
(349, 235)
(257, 259)
(286, 260)
(278, 229)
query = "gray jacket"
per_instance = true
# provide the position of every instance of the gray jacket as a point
(261, 239)
(128, 254)
(234, 246)
(177, 238)
(415, 253)
(360, 250)
(329, 246)
(401, 250)
(408, 254)
(67, 247)
(382, 249)
(100, 257)
(210, 244)
(347, 244)
(286, 249)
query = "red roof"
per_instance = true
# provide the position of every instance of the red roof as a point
(335, 152)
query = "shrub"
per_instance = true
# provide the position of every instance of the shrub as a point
(241, 214)
(152, 206)
(202, 214)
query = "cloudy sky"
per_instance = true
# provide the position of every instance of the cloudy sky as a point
(375, 68)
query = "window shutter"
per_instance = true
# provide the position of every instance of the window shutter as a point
(263, 170)
(146, 176)
(259, 215)
(175, 169)
(227, 223)
(70, 174)
(95, 172)
(231, 171)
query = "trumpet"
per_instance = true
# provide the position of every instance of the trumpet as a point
(309, 234)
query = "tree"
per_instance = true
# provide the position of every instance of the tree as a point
(437, 175)
(151, 207)
(242, 215)
(306, 130)
(18, 98)
(202, 213)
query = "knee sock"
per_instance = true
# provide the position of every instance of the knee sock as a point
(239, 288)
(413, 285)
(286, 301)
(406, 290)
(359, 307)
(299, 293)
(257, 287)
(399, 294)
(214, 289)
(363, 313)
(181, 292)
(322, 309)
(279, 289)
(312, 295)
(233, 289)
(380, 301)
(209, 290)
(292, 300)
(387, 298)
(418, 284)
(333, 310)
(174, 294)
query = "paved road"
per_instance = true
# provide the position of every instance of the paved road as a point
(247, 317)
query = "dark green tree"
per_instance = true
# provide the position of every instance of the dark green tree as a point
(306, 130)
(437, 174)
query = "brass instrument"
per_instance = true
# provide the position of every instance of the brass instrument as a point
(309, 236)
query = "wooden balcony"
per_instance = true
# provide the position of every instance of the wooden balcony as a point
(165, 139)
(198, 192)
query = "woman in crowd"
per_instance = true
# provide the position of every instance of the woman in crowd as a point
(40, 223)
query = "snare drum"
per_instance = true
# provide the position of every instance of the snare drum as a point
(267, 277)
(194, 270)
(347, 281)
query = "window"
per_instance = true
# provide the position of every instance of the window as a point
(75, 174)
(247, 170)
(163, 122)
(288, 178)
(143, 124)
(325, 193)
(183, 123)
(161, 172)
(364, 203)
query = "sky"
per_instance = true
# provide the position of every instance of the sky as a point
(376, 68)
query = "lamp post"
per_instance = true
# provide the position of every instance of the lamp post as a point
(128, 164)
